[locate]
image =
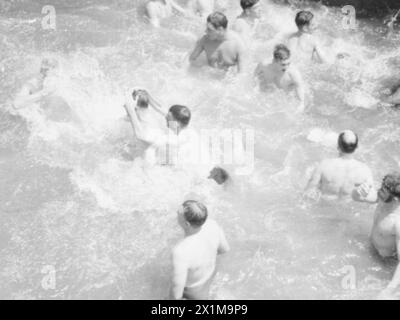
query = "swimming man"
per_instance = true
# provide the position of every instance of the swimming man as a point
(303, 43)
(223, 48)
(280, 73)
(340, 177)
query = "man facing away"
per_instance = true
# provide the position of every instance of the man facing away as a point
(385, 234)
(281, 74)
(339, 177)
(194, 258)
(223, 48)
(247, 22)
(303, 43)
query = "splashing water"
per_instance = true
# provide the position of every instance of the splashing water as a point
(72, 197)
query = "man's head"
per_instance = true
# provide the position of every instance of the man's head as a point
(219, 175)
(251, 7)
(217, 24)
(304, 21)
(192, 215)
(282, 57)
(142, 98)
(47, 65)
(178, 117)
(347, 142)
(390, 189)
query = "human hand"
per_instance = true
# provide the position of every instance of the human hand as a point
(363, 190)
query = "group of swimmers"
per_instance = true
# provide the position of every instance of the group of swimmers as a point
(194, 258)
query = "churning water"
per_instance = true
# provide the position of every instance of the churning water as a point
(73, 200)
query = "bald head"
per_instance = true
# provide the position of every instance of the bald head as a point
(348, 141)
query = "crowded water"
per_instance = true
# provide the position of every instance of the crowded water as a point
(74, 201)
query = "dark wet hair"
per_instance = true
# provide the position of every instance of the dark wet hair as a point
(281, 52)
(303, 18)
(195, 213)
(246, 4)
(391, 183)
(217, 20)
(347, 146)
(223, 174)
(181, 114)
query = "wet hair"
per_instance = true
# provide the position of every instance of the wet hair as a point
(246, 4)
(281, 52)
(217, 20)
(181, 114)
(143, 99)
(222, 172)
(303, 18)
(195, 213)
(391, 183)
(347, 145)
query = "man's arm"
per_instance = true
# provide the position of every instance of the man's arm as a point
(223, 243)
(136, 125)
(176, 6)
(319, 54)
(366, 192)
(388, 293)
(315, 180)
(240, 57)
(198, 49)
(24, 98)
(300, 90)
(157, 106)
(179, 275)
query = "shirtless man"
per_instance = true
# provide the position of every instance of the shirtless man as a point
(339, 177)
(280, 73)
(302, 43)
(223, 48)
(194, 258)
(385, 234)
(34, 90)
(158, 139)
(247, 22)
(158, 10)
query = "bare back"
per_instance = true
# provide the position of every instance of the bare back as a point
(341, 176)
(200, 253)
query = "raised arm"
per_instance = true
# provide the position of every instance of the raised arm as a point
(134, 120)
(179, 275)
(198, 49)
(157, 106)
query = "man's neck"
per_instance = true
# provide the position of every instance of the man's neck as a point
(346, 156)
(191, 231)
